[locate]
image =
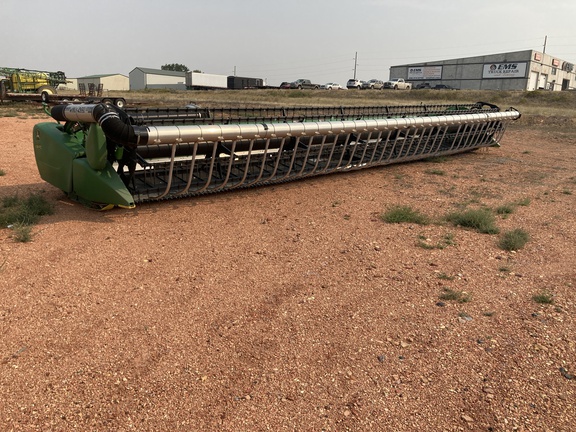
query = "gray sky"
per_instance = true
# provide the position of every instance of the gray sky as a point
(276, 40)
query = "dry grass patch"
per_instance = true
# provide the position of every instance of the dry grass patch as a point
(481, 220)
(513, 240)
(404, 214)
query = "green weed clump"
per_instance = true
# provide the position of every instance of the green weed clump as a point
(481, 220)
(20, 213)
(22, 233)
(513, 240)
(505, 209)
(447, 240)
(543, 298)
(437, 172)
(404, 214)
(452, 295)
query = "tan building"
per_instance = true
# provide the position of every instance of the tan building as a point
(114, 82)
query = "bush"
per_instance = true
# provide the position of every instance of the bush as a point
(523, 202)
(435, 172)
(513, 240)
(22, 233)
(23, 212)
(459, 296)
(481, 220)
(543, 298)
(402, 214)
(505, 209)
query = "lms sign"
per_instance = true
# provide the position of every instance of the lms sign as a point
(504, 70)
(424, 72)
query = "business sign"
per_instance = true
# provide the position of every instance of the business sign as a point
(424, 72)
(504, 70)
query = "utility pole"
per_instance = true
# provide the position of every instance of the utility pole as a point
(545, 39)
(355, 63)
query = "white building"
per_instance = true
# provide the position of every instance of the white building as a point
(520, 70)
(146, 78)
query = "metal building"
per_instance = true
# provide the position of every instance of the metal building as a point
(520, 70)
(146, 78)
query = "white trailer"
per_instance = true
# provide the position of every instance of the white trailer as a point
(199, 81)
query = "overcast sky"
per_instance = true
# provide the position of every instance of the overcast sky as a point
(276, 40)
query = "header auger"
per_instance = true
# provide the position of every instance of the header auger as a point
(104, 156)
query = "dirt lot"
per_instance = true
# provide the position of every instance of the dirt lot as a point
(295, 307)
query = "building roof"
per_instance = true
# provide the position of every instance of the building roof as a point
(160, 72)
(480, 58)
(102, 76)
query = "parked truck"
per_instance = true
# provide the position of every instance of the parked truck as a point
(303, 84)
(397, 84)
(18, 84)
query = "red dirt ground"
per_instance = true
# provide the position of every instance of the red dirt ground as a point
(294, 307)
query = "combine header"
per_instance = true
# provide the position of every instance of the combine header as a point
(104, 156)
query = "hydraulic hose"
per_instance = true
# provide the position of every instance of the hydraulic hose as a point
(114, 127)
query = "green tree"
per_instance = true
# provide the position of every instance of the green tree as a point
(175, 67)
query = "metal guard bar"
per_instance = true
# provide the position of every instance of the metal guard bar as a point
(201, 133)
(196, 115)
(168, 161)
(180, 161)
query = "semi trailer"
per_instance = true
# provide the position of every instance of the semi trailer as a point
(239, 83)
(203, 81)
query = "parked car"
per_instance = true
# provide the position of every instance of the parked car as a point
(397, 84)
(373, 84)
(331, 86)
(354, 84)
(303, 84)
(423, 86)
(443, 87)
(285, 85)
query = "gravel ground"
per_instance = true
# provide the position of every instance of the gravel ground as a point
(294, 307)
